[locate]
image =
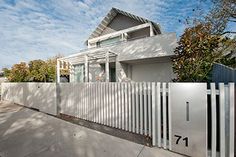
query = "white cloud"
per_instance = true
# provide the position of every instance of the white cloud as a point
(32, 29)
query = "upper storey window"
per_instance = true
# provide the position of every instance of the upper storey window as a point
(108, 41)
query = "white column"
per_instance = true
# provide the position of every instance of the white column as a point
(86, 69)
(58, 71)
(107, 66)
(71, 72)
(151, 30)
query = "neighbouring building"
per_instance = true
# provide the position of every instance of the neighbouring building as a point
(124, 47)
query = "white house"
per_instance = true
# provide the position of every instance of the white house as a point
(124, 47)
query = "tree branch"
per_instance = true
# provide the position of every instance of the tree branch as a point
(228, 32)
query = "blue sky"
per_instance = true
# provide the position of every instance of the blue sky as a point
(39, 29)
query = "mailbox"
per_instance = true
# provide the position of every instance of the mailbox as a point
(188, 108)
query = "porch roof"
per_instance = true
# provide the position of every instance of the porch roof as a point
(150, 47)
(92, 55)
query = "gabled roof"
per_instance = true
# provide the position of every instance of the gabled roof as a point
(110, 16)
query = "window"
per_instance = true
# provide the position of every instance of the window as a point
(108, 41)
(79, 73)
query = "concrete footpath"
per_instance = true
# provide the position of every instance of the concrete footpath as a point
(28, 133)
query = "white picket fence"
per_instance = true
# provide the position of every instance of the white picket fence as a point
(140, 107)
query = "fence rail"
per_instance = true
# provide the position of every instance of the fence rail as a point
(140, 107)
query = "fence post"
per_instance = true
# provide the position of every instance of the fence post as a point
(213, 119)
(169, 118)
(164, 115)
(222, 119)
(231, 118)
(154, 113)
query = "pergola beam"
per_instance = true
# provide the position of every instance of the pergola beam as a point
(151, 30)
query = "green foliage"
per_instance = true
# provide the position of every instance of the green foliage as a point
(19, 73)
(37, 71)
(34, 71)
(196, 54)
(6, 72)
(205, 43)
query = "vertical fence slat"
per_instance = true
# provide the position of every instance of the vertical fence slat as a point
(149, 109)
(80, 101)
(122, 106)
(164, 115)
(89, 96)
(109, 104)
(120, 103)
(169, 118)
(222, 120)
(213, 120)
(116, 105)
(103, 103)
(141, 106)
(91, 105)
(129, 113)
(84, 98)
(113, 104)
(231, 118)
(133, 107)
(96, 104)
(94, 101)
(77, 105)
(137, 106)
(90, 102)
(158, 101)
(145, 107)
(154, 113)
(126, 106)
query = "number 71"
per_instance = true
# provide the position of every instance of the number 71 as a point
(184, 139)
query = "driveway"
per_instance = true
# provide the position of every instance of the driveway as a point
(28, 133)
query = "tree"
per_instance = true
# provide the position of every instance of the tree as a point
(19, 73)
(196, 53)
(51, 69)
(37, 71)
(6, 72)
(221, 15)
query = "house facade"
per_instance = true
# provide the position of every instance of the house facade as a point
(124, 47)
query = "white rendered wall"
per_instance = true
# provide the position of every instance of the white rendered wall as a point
(41, 96)
(153, 72)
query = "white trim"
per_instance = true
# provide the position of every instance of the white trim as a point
(118, 33)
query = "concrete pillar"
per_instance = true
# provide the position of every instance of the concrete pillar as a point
(107, 66)
(58, 71)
